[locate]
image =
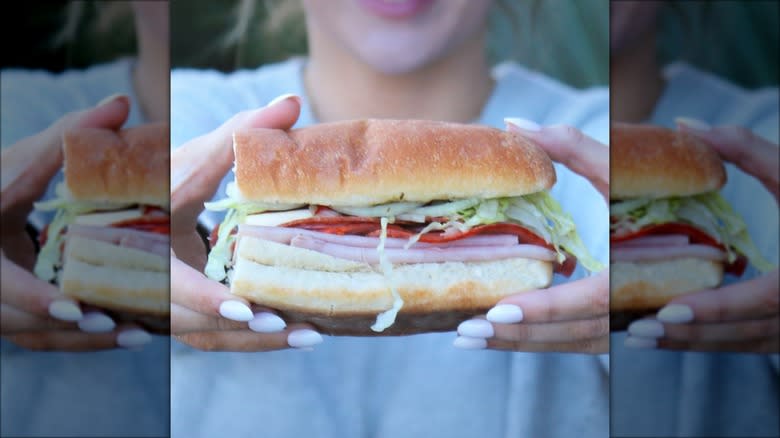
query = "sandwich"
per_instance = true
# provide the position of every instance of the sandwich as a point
(671, 232)
(389, 227)
(108, 244)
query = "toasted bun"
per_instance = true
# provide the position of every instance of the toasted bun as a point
(346, 300)
(131, 284)
(131, 166)
(368, 162)
(656, 162)
(641, 288)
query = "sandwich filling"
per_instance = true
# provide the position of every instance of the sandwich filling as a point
(466, 230)
(141, 227)
(700, 226)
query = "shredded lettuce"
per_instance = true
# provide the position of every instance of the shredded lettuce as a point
(383, 210)
(67, 209)
(708, 212)
(387, 318)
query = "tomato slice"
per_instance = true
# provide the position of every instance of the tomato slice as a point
(154, 223)
(695, 234)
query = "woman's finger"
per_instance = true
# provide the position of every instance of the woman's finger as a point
(740, 331)
(25, 292)
(126, 336)
(193, 290)
(300, 336)
(13, 320)
(747, 300)
(198, 166)
(751, 153)
(587, 298)
(588, 346)
(184, 320)
(29, 164)
(570, 147)
(567, 331)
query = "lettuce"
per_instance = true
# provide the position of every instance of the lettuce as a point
(67, 209)
(708, 212)
(387, 318)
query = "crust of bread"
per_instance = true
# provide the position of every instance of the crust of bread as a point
(369, 162)
(656, 162)
(437, 296)
(131, 285)
(648, 286)
(130, 166)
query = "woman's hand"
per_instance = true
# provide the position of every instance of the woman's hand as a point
(571, 317)
(204, 314)
(35, 314)
(741, 317)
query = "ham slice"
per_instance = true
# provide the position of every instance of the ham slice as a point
(424, 255)
(285, 235)
(655, 253)
(654, 241)
(155, 243)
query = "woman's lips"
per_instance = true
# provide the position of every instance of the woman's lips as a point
(396, 9)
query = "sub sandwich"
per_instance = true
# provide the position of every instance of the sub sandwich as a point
(109, 243)
(671, 231)
(389, 227)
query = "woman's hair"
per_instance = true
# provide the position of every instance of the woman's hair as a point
(94, 31)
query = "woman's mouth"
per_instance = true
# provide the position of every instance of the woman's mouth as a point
(396, 9)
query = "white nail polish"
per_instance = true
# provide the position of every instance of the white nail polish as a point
(133, 338)
(303, 338)
(65, 310)
(281, 98)
(646, 328)
(694, 124)
(468, 343)
(505, 314)
(675, 314)
(524, 124)
(266, 322)
(634, 342)
(96, 322)
(476, 328)
(236, 310)
(110, 98)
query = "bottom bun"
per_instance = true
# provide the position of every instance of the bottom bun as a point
(437, 296)
(128, 294)
(642, 288)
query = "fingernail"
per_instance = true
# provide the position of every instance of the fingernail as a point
(284, 97)
(646, 328)
(266, 322)
(96, 322)
(693, 124)
(634, 342)
(476, 328)
(65, 310)
(505, 314)
(523, 124)
(236, 310)
(303, 338)
(675, 314)
(111, 98)
(133, 338)
(468, 343)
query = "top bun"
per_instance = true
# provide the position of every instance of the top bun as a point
(656, 162)
(369, 162)
(129, 166)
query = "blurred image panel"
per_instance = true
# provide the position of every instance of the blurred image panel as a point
(694, 219)
(85, 220)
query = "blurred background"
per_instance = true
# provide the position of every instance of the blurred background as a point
(65, 35)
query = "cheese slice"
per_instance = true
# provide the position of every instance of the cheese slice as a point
(276, 218)
(108, 218)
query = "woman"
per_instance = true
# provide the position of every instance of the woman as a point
(110, 392)
(415, 59)
(659, 393)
